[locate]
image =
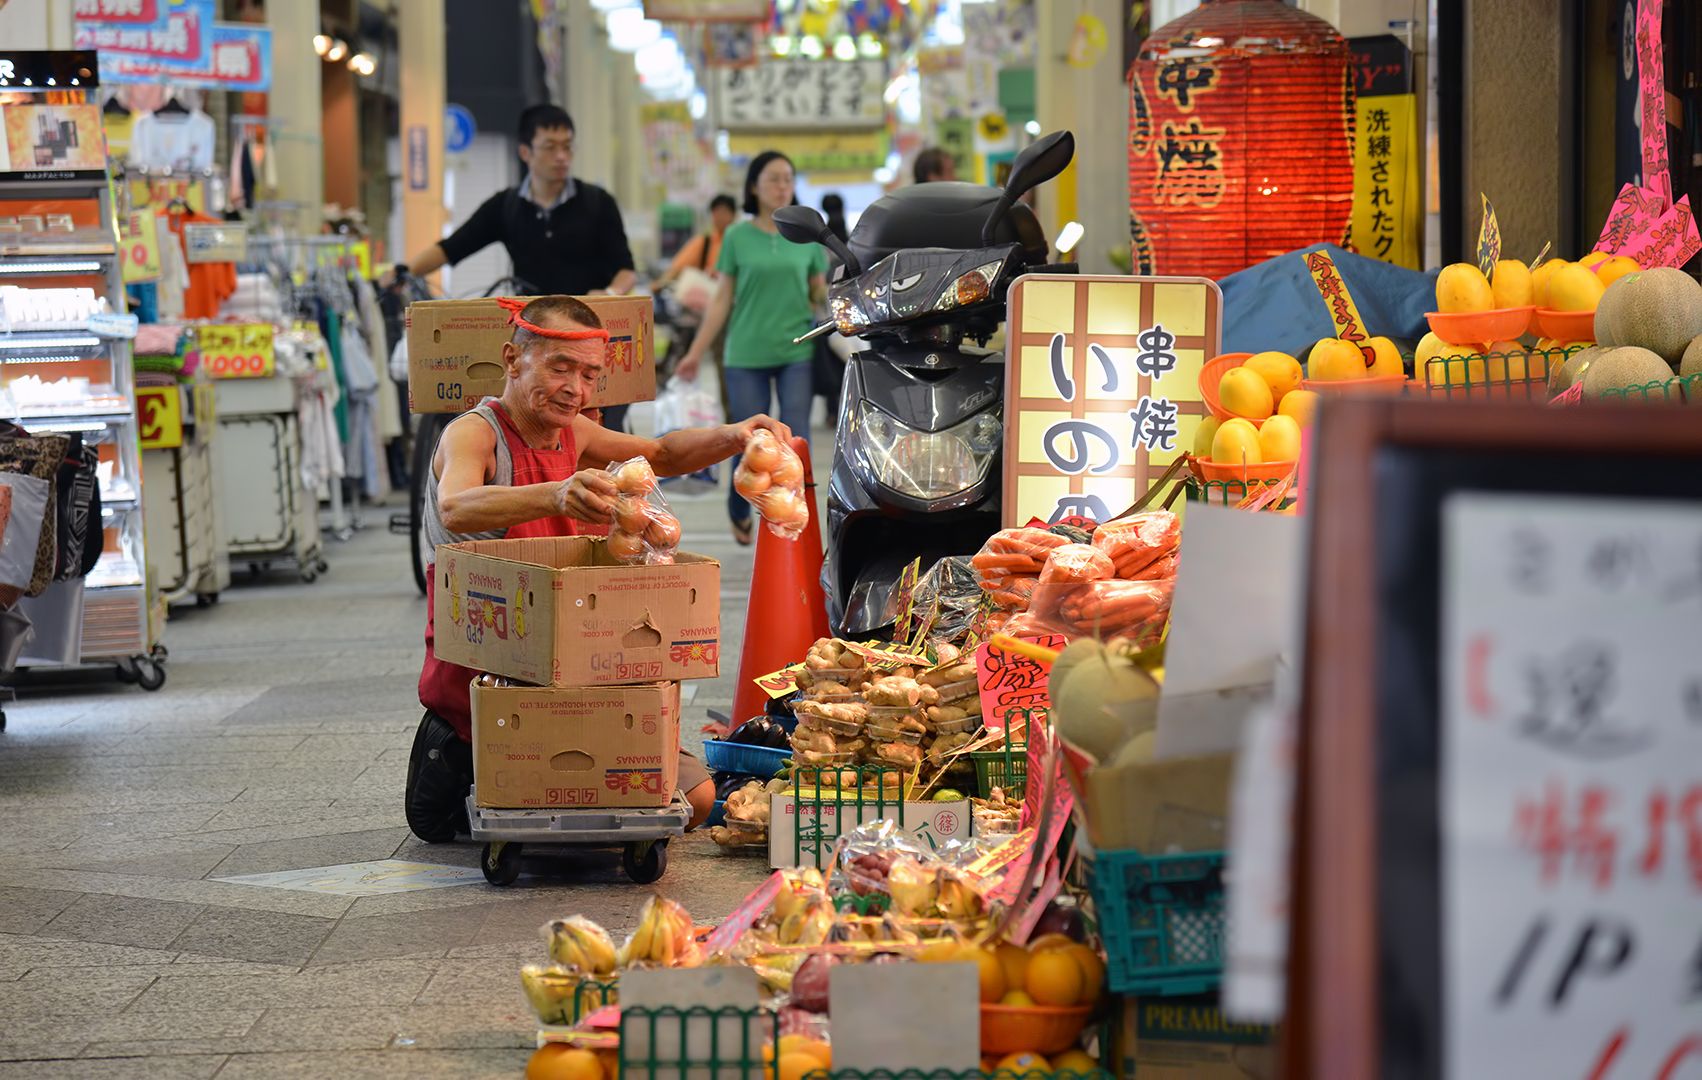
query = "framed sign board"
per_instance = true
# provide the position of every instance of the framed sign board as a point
(1102, 388)
(791, 95)
(1498, 846)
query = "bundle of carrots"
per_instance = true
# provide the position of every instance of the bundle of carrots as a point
(1010, 564)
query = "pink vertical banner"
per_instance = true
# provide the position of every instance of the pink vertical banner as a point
(1652, 88)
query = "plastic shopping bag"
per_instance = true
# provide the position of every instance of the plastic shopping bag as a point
(685, 403)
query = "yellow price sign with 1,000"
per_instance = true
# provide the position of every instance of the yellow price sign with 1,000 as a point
(159, 411)
(237, 351)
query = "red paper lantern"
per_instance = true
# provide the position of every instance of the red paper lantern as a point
(1240, 138)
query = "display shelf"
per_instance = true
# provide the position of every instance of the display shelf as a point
(116, 600)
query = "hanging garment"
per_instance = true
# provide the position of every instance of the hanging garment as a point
(180, 141)
(209, 283)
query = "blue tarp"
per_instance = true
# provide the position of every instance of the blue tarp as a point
(1274, 305)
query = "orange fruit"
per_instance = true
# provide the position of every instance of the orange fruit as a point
(804, 1044)
(1017, 999)
(1014, 959)
(992, 972)
(1054, 978)
(1050, 941)
(1024, 1063)
(1092, 973)
(794, 1065)
(559, 1061)
(1079, 1062)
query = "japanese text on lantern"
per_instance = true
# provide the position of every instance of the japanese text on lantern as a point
(1571, 785)
(1104, 392)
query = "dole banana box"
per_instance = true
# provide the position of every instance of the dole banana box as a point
(560, 611)
(455, 352)
(549, 748)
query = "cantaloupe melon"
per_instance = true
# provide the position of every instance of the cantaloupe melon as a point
(1691, 362)
(1607, 313)
(1660, 310)
(1562, 376)
(1623, 369)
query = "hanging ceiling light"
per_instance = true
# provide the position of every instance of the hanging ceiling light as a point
(321, 44)
(871, 46)
(811, 47)
(781, 44)
(363, 64)
(629, 30)
(699, 106)
(660, 57)
(338, 50)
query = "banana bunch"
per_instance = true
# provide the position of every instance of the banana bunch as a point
(554, 993)
(957, 900)
(798, 889)
(915, 889)
(664, 938)
(580, 945)
(808, 925)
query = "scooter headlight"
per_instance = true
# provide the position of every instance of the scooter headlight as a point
(926, 464)
(971, 288)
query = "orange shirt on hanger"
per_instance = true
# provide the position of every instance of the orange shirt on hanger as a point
(209, 283)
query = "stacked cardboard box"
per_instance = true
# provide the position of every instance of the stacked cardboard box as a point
(599, 649)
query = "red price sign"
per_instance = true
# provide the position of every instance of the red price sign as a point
(159, 411)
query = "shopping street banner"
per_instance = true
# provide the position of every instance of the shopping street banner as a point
(1102, 388)
(1388, 218)
(120, 12)
(239, 59)
(180, 39)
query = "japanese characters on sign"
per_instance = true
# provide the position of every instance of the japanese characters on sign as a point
(1386, 221)
(237, 350)
(121, 12)
(1571, 792)
(238, 57)
(181, 37)
(784, 94)
(1103, 389)
(1344, 313)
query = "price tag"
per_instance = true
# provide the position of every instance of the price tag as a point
(215, 243)
(139, 248)
(159, 410)
(237, 351)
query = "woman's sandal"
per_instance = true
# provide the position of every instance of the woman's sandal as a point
(743, 533)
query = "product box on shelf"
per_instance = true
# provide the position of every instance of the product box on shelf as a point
(547, 747)
(1189, 1038)
(559, 611)
(455, 352)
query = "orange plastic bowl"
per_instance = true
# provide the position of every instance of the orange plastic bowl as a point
(1480, 327)
(1567, 325)
(1374, 384)
(1264, 471)
(1210, 375)
(1039, 1029)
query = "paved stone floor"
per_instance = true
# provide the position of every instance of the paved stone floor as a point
(279, 742)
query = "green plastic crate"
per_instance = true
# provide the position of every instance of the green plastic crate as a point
(1161, 918)
(744, 1057)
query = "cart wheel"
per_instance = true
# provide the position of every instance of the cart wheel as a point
(322, 566)
(160, 653)
(127, 671)
(206, 600)
(2, 720)
(309, 575)
(645, 860)
(150, 674)
(500, 862)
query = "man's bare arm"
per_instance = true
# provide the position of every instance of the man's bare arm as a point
(674, 454)
(469, 503)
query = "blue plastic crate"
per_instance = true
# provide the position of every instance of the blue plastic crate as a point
(718, 815)
(1162, 920)
(760, 761)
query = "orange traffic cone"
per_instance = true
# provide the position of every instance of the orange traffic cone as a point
(787, 612)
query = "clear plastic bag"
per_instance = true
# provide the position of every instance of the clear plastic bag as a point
(682, 404)
(771, 476)
(645, 531)
(1107, 609)
(1138, 541)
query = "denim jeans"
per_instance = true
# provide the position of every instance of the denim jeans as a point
(751, 391)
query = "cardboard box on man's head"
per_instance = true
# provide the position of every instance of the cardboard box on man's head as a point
(455, 352)
(559, 611)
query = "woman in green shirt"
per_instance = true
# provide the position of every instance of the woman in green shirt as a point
(769, 287)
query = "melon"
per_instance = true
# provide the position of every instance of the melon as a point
(1623, 368)
(1691, 362)
(1607, 313)
(1660, 310)
(1562, 376)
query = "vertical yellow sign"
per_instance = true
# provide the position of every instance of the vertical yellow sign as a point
(1388, 212)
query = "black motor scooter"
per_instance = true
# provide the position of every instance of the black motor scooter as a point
(917, 464)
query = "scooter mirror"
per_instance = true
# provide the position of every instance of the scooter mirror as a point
(803, 225)
(1044, 159)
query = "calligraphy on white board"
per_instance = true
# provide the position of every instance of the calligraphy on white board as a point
(1571, 787)
(790, 94)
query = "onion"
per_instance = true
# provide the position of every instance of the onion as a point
(763, 452)
(626, 547)
(788, 471)
(635, 477)
(751, 484)
(630, 515)
(663, 533)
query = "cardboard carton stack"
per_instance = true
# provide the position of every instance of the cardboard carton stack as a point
(587, 654)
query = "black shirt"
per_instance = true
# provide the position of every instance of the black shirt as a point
(572, 249)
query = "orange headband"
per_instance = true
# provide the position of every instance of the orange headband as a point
(515, 307)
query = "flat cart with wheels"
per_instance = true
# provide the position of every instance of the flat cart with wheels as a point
(641, 834)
